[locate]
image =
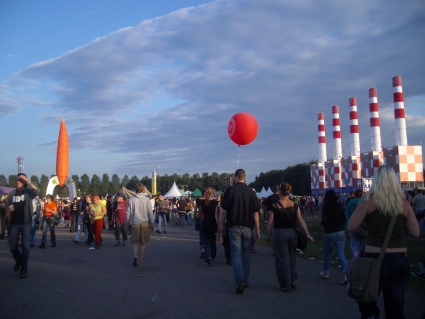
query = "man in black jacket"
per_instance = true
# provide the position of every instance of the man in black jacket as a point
(21, 210)
(240, 208)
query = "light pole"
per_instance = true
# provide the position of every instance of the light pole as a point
(20, 161)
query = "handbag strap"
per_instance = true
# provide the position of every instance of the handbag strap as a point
(289, 217)
(387, 239)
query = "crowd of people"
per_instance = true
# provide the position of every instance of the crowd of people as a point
(234, 218)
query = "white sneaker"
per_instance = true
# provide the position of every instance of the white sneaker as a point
(344, 280)
(324, 275)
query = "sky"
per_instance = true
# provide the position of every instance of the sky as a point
(151, 85)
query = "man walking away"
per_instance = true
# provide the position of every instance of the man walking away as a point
(139, 211)
(240, 208)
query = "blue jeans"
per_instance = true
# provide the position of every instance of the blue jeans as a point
(240, 247)
(20, 257)
(395, 271)
(33, 228)
(162, 222)
(210, 249)
(357, 244)
(48, 222)
(80, 228)
(190, 218)
(330, 241)
(182, 217)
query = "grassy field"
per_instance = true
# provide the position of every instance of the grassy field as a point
(314, 251)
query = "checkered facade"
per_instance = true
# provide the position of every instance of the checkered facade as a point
(350, 171)
(317, 176)
(370, 163)
(406, 162)
(333, 174)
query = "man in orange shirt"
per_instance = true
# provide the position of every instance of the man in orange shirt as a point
(49, 212)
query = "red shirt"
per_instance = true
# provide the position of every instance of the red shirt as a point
(121, 211)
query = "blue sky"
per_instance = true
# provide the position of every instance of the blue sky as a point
(145, 84)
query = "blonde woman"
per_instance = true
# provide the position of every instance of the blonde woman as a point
(385, 200)
(97, 212)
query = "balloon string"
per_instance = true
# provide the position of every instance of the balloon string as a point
(237, 163)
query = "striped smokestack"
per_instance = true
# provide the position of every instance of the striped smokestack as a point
(336, 126)
(375, 130)
(400, 119)
(322, 137)
(354, 127)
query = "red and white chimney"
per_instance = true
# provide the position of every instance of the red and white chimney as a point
(322, 137)
(336, 126)
(400, 119)
(375, 129)
(354, 127)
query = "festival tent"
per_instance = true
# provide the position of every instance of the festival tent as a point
(269, 192)
(173, 192)
(5, 190)
(197, 193)
(262, 194)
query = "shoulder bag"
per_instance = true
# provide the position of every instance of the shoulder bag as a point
(363, 273)
(301, 235)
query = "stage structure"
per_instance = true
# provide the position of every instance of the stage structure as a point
(344, 174)
(62, 177)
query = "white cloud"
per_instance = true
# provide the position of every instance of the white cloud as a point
(164, 90)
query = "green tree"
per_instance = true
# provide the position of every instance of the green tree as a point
(125, 180)
(95, 185)
(12, 181)
(115, 184)
(3, 180)
(104, 184)
(85, 184)
(196, 182)
(132, 183)
(44, 181)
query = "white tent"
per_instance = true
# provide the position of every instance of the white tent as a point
(262, 194)
(173, 192)
(269, 192)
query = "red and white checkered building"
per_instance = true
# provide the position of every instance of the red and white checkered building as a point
(342, 174)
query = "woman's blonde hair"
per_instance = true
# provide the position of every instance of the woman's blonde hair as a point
(386, 192)
(208, 195)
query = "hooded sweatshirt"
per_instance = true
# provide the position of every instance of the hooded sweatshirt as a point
(139, 209)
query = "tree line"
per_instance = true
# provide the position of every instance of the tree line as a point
(298, 176)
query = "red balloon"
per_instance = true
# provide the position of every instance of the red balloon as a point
(242, 128)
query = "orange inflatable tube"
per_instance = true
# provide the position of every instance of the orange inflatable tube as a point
(62, 155)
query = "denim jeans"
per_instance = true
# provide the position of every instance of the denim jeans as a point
(190, 218)
(210, 248)
(330, 241)
(162, 222)
(48, 222)
(395, 271)
(182, 217)
(80, 229)
(240, 247)
(20, 257)
(120, 228)
(357, 244)
(33, 228)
